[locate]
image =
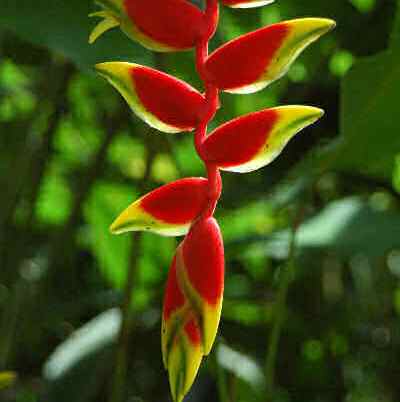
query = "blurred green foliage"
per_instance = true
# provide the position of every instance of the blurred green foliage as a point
(72, 157)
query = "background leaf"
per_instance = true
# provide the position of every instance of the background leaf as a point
(369, 113)
(64, 27)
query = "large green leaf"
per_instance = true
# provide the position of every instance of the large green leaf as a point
(64, 27)
(347, 227)
(370, 123)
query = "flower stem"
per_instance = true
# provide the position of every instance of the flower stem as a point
(279, 309)
(211, 15)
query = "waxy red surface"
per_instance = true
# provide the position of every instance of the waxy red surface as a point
(203, 256)
(243, 61)
(193, 332)
(179, 202)
(239, 140)
(175, 23)
(174, 298)
(172, 101)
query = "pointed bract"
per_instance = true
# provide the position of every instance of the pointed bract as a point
(169, 210)
(160, 25)
(180, 338)
(184, 360)
(192, 304)
(161, 100)
(108, 22)
(251, 62)
(174, 310)
(252, 141)
(246, 3)
(200, 269)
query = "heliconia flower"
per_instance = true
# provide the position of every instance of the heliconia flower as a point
(161, 100)
(246, 3)
(160, 25)
(192, 304)
(180, 338)
(252, 61)
(169, 210)
(252, 141)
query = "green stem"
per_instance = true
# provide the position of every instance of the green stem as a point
(9, 322)
(121, 363)
(279, 310)
(222, 385)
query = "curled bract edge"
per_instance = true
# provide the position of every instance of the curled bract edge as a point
(158, 25)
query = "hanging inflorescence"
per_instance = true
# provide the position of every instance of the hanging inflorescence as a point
(193, 298)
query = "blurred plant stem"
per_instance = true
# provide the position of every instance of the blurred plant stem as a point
(43, 154)
(280, 306)
(121, 364)
(220, 376)
(8, 324)
(31, 161)
(60, 255)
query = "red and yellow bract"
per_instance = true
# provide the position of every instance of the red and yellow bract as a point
(192, 305)
(181, 337)
(169, 210)
(194, 292)
(159, 25)
(252, 61)
(161, 100)
(201, 273)
(250, 142)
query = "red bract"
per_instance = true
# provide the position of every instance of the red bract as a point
(160, 25)
(177, 24)
(201, 269)
(252, 61)
(162, 101)
(252, 141)
(192, 304)
(203, 257)
(194, 292)
(174, 298)
(180, 337)
(168, 210)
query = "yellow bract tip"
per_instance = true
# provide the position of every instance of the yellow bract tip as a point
(114, 68)
(109, 21)
(316, 26)
(131, 219)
